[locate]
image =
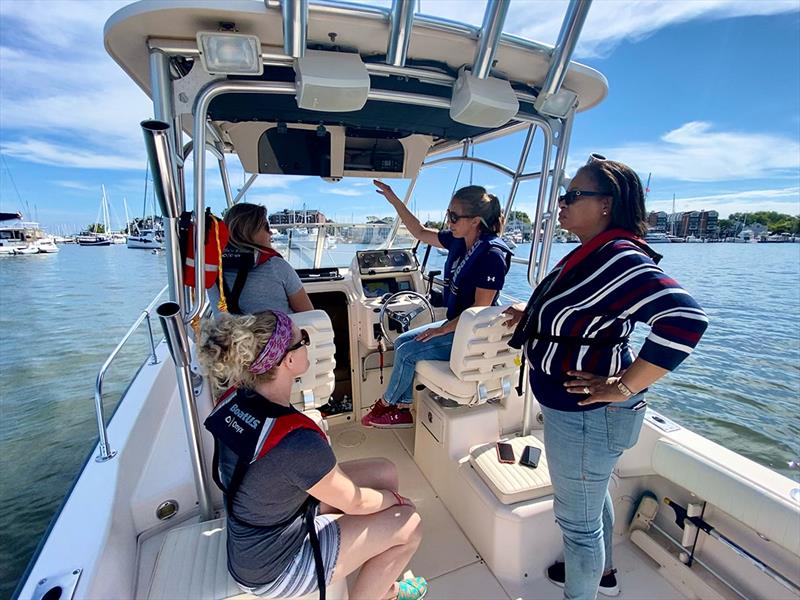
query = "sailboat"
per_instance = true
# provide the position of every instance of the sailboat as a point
(144, 238)
(93, 238)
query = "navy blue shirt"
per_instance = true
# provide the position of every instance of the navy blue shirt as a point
(485, 269)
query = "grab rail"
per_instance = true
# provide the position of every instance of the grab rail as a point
(106, 452)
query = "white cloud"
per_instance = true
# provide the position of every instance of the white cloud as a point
(337, 190)
(75, 185)
(60, 155)
(696, 152)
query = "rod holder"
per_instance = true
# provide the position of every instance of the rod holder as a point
(169, 313)
(162, 166)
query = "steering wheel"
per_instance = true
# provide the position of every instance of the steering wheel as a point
(402, 319)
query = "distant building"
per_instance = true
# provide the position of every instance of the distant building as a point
(698, 223)
(296, 217)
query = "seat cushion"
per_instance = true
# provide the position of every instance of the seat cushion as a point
(193, 564)
(437, 376)
(512, 483)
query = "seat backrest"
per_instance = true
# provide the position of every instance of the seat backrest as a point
(315, 386)
(480, 346)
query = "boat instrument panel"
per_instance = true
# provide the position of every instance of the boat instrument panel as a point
(376, 288)
(372, 262)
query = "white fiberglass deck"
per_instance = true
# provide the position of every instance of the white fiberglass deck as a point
(446, 558)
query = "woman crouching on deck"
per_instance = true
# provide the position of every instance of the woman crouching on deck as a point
(296, 520)
(587, 380)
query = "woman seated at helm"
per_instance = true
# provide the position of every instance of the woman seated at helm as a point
(257, 278)
(296, 519)
(475, 270)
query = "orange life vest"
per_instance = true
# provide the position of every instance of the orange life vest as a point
(216, 239)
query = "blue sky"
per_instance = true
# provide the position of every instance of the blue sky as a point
(705, 95)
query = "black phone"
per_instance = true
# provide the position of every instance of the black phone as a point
(530, 457)
(505, 453)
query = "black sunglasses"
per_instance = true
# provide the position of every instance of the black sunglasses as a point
(575, 195)
(304, 341)
(454, 218)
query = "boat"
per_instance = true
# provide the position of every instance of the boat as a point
(142, 236)
(95, 238)
(88, 238)
(145, 239)
(47, 246)
(19, 237)
(657, 237)
(143, 519)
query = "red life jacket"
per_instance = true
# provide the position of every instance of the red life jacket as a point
(216, 238)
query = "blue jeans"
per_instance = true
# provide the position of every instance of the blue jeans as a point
(582, 449)
(407, 351)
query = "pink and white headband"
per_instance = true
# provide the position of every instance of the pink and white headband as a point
(276, 346)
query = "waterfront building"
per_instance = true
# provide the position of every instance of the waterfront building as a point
(296, 217)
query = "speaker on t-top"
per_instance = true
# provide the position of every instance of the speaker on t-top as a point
(489, 102)
(331, 81)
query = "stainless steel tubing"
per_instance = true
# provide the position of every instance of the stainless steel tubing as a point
(165, 183)
(169, 313)
(250, 181)
(295, 23)
(401, 21)
(156, 143)
(489, 36)
(565, 46)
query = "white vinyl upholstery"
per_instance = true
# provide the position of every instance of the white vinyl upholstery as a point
(192, 564)
(738, 493)
(482, 366)
(315, 386)
(512, 483)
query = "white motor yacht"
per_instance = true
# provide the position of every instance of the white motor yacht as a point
(143, 519)
(145, 239)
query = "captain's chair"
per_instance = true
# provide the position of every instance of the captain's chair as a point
(482, 365)
(314, 388)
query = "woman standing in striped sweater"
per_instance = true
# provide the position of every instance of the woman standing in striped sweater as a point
(583, 372)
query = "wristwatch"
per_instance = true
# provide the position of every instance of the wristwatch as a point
(624, 389)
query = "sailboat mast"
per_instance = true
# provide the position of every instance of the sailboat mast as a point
(673, 214)
(106, 219)
(127, 222)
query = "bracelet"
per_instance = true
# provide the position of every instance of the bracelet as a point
(624, 389)
(399, 498)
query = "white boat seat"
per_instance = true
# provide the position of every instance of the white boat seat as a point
(315, 386)
(192, 564)
(744, 494)
(482, 365)
(512, 483)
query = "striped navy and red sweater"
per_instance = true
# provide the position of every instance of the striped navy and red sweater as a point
(601, 292)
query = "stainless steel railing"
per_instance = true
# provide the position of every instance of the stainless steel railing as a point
(106, 452)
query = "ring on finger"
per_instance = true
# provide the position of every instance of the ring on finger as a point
(586, 390)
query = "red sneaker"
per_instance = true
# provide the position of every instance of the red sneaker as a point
(396, 418)
(377, 410)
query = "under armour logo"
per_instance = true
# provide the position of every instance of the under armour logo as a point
(490, 279)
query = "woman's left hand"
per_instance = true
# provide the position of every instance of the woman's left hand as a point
(599, 387)
(431, 333)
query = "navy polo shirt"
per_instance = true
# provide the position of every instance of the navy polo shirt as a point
(489, 272)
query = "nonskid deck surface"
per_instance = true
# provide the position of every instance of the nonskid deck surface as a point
(446, 558)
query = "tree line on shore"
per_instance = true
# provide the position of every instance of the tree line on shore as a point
(775, 222)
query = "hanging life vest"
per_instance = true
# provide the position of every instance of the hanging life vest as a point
(216, 238)
(238, 422)
(240, 261)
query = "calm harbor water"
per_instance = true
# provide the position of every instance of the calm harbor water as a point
(60, 316)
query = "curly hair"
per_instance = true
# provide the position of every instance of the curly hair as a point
(622, 183)
(244, 222)
(228, 346)
(477, 201)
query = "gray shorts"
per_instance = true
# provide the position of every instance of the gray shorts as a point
(300, 576)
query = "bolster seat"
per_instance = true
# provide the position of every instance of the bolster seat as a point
(512, 483)
(482, 365)
(192, 564)
(314, 387)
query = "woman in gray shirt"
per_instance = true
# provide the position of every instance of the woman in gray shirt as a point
(269, 282)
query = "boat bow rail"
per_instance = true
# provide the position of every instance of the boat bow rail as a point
(105, 451)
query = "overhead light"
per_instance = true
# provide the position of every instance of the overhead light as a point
(331, 81)
(558, 104)
(489, 102)
(230, 53)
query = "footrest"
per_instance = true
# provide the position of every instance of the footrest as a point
(512, 483)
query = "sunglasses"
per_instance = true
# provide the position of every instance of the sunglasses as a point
(304, 341)
(575, 195)
(454, 218)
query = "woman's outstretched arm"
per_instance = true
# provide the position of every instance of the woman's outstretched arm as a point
(424, 234)
(338, 490)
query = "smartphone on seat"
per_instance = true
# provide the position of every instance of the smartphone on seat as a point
(505, 453)
(530, 457)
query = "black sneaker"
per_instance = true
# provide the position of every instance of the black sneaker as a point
(557, 574)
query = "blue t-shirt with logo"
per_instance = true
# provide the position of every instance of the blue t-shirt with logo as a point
(488, 271)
